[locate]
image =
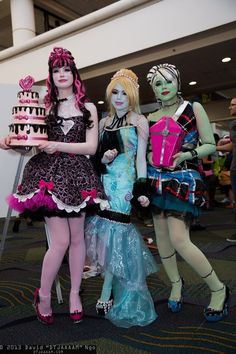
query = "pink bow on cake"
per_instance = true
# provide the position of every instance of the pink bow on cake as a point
(22, 137)
(26, 83)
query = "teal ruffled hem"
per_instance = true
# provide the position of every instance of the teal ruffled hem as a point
(132, 306)
(169, 202)
(120, 250)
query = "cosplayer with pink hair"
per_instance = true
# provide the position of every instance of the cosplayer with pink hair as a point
(62, 57)
(59, 182)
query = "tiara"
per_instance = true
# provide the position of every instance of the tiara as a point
(153, 71)
(60, 56)
(119, 74)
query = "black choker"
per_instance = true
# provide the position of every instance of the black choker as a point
(118, 122)
(170, 105)
(65, 99)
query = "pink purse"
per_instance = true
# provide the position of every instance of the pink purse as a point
(166, 139)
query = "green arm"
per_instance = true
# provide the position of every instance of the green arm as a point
(206, 136)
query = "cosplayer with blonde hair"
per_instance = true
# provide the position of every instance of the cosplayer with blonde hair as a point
(112, 240)
(177, 188)
(129, 80)
(60, 180)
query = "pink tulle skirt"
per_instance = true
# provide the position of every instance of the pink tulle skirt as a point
(39, 199)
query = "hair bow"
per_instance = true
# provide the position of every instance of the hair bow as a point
(60, 56)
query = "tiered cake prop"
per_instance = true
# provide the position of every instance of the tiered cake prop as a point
(28, 127)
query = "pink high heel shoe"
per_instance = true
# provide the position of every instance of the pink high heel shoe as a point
(76, 316)
(46, 319)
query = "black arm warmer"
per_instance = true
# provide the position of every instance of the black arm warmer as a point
(140, 188)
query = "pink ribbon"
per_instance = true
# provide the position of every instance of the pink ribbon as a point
(44, 184)
(92, 194)
(27, 101)
(22, 137)
(22, 117)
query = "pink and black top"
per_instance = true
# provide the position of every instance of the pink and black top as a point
(59, 184)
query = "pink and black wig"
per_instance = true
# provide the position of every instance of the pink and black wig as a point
(60, 57)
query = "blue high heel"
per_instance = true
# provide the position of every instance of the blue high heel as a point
(212, 315)
(176, 305)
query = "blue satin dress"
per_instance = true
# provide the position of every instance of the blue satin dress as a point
(117, 246)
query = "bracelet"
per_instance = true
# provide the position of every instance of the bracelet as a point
(194, 154)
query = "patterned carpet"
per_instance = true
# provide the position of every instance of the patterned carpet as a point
(185, 332)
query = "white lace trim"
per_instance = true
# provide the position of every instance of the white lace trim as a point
(62, 206)
(23, 198)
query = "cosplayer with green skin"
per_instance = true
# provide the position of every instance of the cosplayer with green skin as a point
(112, 240)
(171, 215)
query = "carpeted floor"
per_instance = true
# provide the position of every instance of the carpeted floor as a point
(185, 332)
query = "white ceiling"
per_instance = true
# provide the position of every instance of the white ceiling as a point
(215, 80)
